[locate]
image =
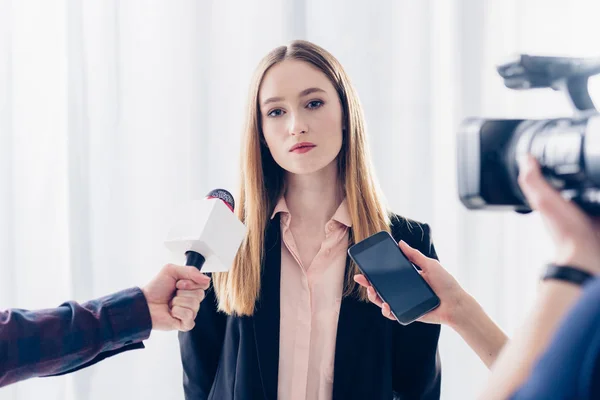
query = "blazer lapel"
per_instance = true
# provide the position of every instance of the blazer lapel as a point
(266, 315)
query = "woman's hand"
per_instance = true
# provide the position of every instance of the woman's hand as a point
(451, 294)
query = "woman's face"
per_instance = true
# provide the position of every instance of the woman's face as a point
(301, 117)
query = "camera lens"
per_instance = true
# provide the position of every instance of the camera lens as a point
(568, 150)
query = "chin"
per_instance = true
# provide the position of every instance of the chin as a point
(302, 170)
(308, 168)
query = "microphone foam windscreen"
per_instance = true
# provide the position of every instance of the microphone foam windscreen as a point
(223, 195)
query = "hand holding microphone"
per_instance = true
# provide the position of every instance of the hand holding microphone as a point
(206, 231)
(177, 312)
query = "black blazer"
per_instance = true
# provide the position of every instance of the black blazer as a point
(228, 357)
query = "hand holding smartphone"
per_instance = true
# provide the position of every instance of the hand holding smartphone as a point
(394, 277)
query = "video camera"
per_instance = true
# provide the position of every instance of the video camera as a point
(568, 149)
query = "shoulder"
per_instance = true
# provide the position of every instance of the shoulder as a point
(417, 234)
(406, 229)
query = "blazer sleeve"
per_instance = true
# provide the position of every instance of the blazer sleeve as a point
(416, 362)
(201, 348)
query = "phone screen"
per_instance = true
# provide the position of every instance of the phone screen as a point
(394, 277)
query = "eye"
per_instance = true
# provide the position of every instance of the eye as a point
(278, 112)
(314, 104)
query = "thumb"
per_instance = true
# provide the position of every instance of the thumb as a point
(540, 194)
(191, 273)
(415, 256)
(562, 215)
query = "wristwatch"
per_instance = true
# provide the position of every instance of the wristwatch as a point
(567, 273)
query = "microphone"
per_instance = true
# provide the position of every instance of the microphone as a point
(207, 232)
(194, 258)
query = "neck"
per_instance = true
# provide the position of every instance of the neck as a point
(313, 198)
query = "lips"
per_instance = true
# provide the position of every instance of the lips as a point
(302, 147)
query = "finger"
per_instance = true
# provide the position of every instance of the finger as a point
(415, 256)
(374, 297)
(186, 326)
(387, 311)
(543, 197)
(187, 284)
(190, 303)
(197, 294)
(184, 315)
(179, 272)
(361, 280)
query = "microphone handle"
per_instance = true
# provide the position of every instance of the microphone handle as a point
(195, 259)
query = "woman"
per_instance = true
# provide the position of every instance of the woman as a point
(288, 321)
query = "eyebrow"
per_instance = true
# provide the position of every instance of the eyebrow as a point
(303, 93)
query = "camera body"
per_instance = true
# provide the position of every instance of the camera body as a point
(568, 149)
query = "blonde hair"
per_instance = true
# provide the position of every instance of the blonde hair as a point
(262, 181)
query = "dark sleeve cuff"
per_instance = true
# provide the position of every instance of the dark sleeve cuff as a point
(129, 317)
(102, 356)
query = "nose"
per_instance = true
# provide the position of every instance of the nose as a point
(297, 126)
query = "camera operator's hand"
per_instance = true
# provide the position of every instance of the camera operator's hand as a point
(576, 235)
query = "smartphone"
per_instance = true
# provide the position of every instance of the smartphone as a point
(394, 277)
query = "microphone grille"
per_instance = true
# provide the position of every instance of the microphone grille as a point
(222, 195)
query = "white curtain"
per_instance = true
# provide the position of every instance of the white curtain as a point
(114, 112)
